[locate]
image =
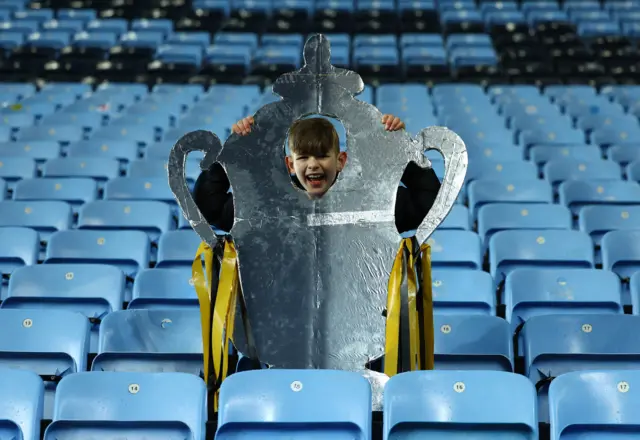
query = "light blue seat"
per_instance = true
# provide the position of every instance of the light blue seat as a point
(39, 150)
(414, 404)
(142, 340)
(46, 217)
(74, 191)
(100, 169)
(633, 171)
(21, 404)
(124, 129)
(150, 405)
(579, 193)
(498, 217)
(621, 252)
(313, 404)
(89, 121)
(127, 250)
(16, 168)
(534, 292)
(559, 170)
(453, 250)
(163, 288)
(18, 247)
(482, 192)
(58, 133)
(557, 344)
(51, 343)
(472, 342)
(463, 292)
(597, 220)
(139, 188)
(124, 150)
(513, 249)
(177, 249)
(158, 168)
(153, 218)
(580, 405)
(623, 154)
(541, 154)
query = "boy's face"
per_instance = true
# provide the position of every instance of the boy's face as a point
(316, 173)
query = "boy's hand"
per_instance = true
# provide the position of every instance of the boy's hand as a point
(243, 126)
(392, 123)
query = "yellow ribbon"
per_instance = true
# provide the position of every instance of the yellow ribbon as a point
(421, 344)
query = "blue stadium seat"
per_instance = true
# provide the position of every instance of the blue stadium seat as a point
(163, 405)
(621, 252)
(557, 344)
(633, 171)
(599, 219)
(38, 150)
(95, 168)
(18, 247)
(124, 150)
(513, 249)
(453, 249)
(51, 343)
(45, 217)
(127, 250)
(163, 288)
(559, 170)
(139, 188)
(580, 404)
(74, 191)
(16, 168)
(623, 154)
(177, 249)
(541, 154)
(21, 404)
(298, 403)
(463, 292)
(413, 405)
(579, 193)
(534, 292)
(151, 340)
(153, 218)
(59, 133)
(472, 342)
(3, 189)
(124, 129)
(482, 192)
(151, 168)
(498, 217)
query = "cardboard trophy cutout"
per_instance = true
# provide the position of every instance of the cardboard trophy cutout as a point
(314, 274)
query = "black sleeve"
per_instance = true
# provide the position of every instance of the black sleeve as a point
(414, 202)
(211, 194)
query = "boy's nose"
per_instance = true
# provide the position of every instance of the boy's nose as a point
(312, 163)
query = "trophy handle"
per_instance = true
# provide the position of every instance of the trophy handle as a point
(454, 151)
(210, 145)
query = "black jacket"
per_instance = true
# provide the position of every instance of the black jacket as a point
(412, 203)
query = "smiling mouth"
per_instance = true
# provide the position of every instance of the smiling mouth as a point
(316, 180)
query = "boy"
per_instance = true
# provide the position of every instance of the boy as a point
(315, 160)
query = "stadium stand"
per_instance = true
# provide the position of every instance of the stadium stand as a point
(536, 270)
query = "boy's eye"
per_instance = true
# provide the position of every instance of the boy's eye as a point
(302, 157)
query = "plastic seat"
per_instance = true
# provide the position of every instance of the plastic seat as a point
(153, 218)
(633, 171)
(125, 130)
(151, 168)
(621, 252)
(534, 292)
(557, 171)
(578, 194)
(600, 219)
(497, 217)
(151, 405)
(51, 343)
(482, 192)
(125, 150)
(139, 188)
(541, 154)
(21, 404)
(127, 250)
(177, 249)
(98, 169)
(180, 54)
(18, 247)
(45, 217)
(74, 191)
(151, 340)
(454, 249)
(38, 150)
(463, 292)
(557, 344)
(580, 404)
(472, 342)
(163, 288)
(3, 189)
(624, 154)
(16, 168)
(58, 133)
(295, 403)
(413, 403)
(513, 249)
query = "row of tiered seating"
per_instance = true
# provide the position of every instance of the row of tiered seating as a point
(319, 404)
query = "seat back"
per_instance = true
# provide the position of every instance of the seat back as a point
(21, 404)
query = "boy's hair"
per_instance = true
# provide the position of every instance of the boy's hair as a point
(313, 137)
